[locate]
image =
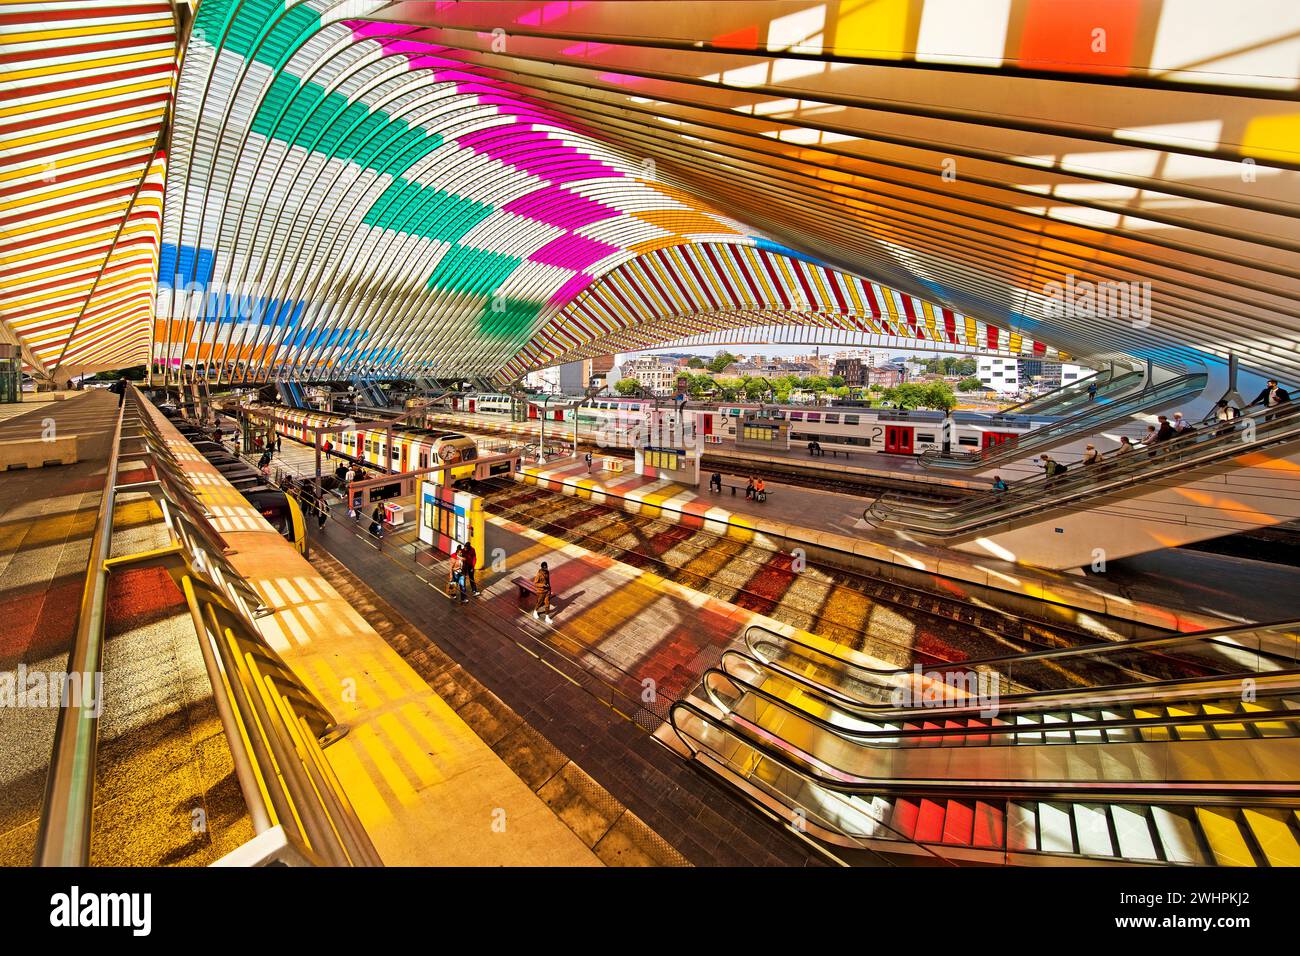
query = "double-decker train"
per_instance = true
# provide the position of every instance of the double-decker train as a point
(620, 422)
(412, 448)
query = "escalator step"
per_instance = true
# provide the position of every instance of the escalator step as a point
(1177, 836)
(1223, 833)
(1055, 830)
(958, 823)
(1273, 833)
(904, 817)
(977, 739)
(1022, 826)
(1225, 731)
(989, 829)
(1092, 826)
(929, 822)
(1133, 833)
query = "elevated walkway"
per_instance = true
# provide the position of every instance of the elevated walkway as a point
(1110, 385)
(1103, 415)
(1215, 481)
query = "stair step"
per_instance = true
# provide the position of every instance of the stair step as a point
(988, 826)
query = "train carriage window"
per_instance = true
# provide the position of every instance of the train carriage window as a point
(852, 419)
(814, 416)
(927, 437)
(832, 419)
(424, 459)
(798, 417)
(967, 440)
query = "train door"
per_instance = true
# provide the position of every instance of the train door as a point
(990, 439)
(406, 451)
(559, 414)
(898, 439)
(532, 411)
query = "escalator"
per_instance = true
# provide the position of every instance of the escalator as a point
(1219, 480)
(1111, 384)
(1095, 417)
(1153, 772)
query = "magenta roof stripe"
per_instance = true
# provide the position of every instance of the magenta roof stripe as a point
(557, 206)
(573, 252)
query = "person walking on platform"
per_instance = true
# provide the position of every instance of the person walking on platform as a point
(118, 388)
(588, 460)
(322, 509)
(469, 561)
(715, 483)
(456, 575)
(542, 584)
(277, 443)
(377, 521)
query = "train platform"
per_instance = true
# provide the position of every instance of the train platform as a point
(577, 700)
(1179, 591)
(427, 789)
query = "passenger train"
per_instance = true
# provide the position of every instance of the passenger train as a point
(413, 448)
(608, 421)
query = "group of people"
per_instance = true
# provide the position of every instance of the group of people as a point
(755, 487)
(815, 449)
(1272, 398)
(461, 572)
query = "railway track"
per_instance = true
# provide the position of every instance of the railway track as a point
(893, 622)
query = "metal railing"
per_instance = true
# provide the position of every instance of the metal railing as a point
(274, 725)
(63, 838)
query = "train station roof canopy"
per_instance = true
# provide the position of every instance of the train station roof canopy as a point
(483, 188)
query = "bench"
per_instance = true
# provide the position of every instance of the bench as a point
(735, 488)
(835, 453)
(526, 587)
(37, 452)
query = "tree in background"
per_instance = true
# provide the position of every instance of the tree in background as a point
(939, 396)
(721, 361)
(970, 384)
(907, 395)
(627, 387)
(696, 362)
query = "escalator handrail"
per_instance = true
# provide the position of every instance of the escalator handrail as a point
(695, 746)
(1070, 790)
(1091, 419)
(1031, 496)
(867, 738)
(1144, 693)
(1089, 650)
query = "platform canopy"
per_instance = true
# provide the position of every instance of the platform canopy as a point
(478, 189)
